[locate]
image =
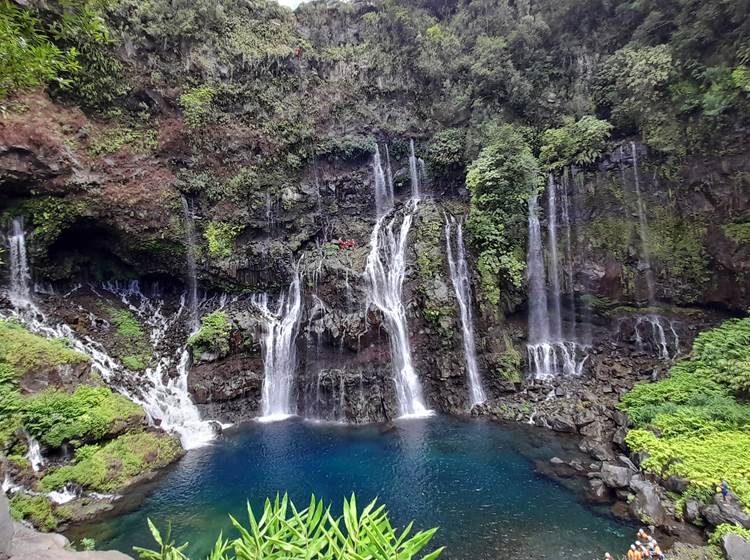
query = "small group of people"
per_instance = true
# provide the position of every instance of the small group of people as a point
(645, 548)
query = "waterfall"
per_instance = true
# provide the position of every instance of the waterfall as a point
(20, 275)
(462, 286)
(192, 275)
(547, 352)
(167, 399)
(643, 230)
(569, 263)
(665, 348)
(414, 171)
(383, 183)
(34, 453)
(554, 272)
(279, 351)
(384, 274)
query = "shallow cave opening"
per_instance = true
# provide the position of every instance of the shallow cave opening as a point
(86, 252)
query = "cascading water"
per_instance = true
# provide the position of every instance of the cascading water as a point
(384, 273)
(462, 286)
(279, 351)
(34, 453)
(548, 353)
(414, 172)
(657, 338)
(383, 183)
(192, 275)
(20, 275)
(643, 230)
(554, 271)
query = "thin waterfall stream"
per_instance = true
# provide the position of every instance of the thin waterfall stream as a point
(462, 286)
(281, 324)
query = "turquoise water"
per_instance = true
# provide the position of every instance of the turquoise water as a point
(474, 480)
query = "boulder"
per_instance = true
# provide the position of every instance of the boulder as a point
(647, 505)
(598, 490)
(562, 424)
(614, 476)
(729, 511)
(735, 547)
(692, 510)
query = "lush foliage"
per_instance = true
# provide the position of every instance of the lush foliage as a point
(112, 466)
(577, 143)
(695, 423)
(28, 353)
(90, 413)
(28, 57)
(220, 237)
(36, 509)
(500, 181)
(213, 335)
(283, 531)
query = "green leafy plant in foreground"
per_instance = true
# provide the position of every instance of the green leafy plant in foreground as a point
(285, 532)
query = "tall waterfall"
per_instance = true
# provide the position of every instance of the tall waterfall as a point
(569, 263)
(20, 275)
(462, 286)
(643, 230)
(554, 271)
(279, 351)
(384, 273)
(549, 354)
(414, 172)
(383, 182)
(192, 275)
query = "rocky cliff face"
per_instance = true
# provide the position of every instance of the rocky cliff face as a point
(111, 213)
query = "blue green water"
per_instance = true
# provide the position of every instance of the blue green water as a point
(474, 480)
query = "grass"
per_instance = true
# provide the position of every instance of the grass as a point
(125, 323)
(90, 413)
(111, 467)
(26, 352)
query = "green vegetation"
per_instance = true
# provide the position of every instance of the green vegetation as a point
(284, 531)
(26, 353)
(213, 335)
(500, 181)
(739, 233)
(125, 322)
(29, 58)
(221, 237)
(696, 424)
(577, 143)
(114, 465)
(36, 509)
(196, 105)
(90, 413)
(112, 140)
(130, 344)
(725, 529)
(49, 216)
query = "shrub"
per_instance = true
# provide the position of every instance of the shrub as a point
(500, 181)
(125, 323)
(283, 531)
(725, 529)
(220, 237)
(575, 143)
(115, 139)
(36, 509)
(28, 57)
(112, 466)
(213, 335)
(196, 105)
(55, 417)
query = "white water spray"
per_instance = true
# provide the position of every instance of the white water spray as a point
(462, 287)
(20, 274)
(384, 273)
(34, 453)
(383, 183)
(279, 351)
(414, 172)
